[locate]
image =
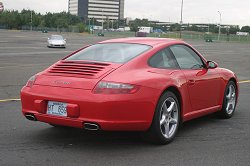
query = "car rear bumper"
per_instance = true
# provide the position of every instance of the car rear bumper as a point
(126, 112)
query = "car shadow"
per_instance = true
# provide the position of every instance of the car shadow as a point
(71, 137)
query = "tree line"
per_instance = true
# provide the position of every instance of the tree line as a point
(214, 28)
(12, 19)
(15, 20)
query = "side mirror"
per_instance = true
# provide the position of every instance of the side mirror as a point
(211, 65)
(48, 38)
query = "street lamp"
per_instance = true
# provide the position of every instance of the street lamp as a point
(89, 24)
(208, 26)
(31, 20)
(112, 21)
(219, 26)
(102, 21)
(181, 17)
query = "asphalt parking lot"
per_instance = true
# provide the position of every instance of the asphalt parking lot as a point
(204, 141)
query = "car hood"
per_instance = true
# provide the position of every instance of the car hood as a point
(75, 74)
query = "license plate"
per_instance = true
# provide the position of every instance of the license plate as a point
(57, 108)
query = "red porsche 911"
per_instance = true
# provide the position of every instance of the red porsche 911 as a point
(130, 84)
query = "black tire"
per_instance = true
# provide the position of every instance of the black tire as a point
(226, 112)
(156, 132)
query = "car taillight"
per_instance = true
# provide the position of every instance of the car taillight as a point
(115, 88)
(31, 81)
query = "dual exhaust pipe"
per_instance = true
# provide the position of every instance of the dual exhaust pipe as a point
(86, 126)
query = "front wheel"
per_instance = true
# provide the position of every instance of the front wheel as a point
(229, 101)
(166, 119)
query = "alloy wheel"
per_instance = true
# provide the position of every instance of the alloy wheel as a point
(169, 117)
(230, 99)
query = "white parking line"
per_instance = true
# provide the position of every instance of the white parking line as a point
(21, 66)
(246, 81)
(22, 47)
(6, 100)
(35, 53)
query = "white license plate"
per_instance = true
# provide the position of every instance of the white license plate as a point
(57, 108)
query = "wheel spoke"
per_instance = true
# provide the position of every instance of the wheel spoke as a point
(166, 127)
(163, 120)
(171, 107)
(173, 121)
(229, 93)
(228, 106)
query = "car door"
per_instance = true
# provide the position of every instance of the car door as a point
(203, 84)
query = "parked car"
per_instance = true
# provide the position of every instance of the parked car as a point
(100, 34)
(131, 84)
(56, 41)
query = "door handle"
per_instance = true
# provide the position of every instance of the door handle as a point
(191, 82)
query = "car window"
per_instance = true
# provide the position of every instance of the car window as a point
(56, 37)
(110, 52)
(163, 59)
(186, 57)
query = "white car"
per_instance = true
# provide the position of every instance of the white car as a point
(56, 41)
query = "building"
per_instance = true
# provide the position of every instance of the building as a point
(97, 9)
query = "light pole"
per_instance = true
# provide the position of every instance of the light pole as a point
(208, 26)
(112, 21)
(181, 18)
(102, 21)
(89, 24)
(219, 26)
(108, 22)
(31, 19)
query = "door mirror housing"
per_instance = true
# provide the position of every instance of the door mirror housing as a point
(211, 65)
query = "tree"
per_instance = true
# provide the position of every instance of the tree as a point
(245, 29)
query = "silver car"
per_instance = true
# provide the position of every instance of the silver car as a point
(56, 41)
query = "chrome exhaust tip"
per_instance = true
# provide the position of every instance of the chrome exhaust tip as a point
(91, 126)
(30, 117)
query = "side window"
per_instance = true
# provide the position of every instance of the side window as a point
(186, 57)
(163, 59)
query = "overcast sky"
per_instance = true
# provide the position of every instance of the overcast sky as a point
(235, 12)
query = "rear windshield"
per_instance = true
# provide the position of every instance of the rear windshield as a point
(110, 52)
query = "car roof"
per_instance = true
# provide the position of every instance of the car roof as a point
(144, 40)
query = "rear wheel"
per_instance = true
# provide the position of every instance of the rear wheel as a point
(229, 101)
(166, 119)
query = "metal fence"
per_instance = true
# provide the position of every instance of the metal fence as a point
(73, 29)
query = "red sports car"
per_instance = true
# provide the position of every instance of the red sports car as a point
(131, 84)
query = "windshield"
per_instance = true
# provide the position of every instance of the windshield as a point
(110, 52)
(56, 38)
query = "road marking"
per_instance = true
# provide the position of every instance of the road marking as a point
(7, 100)
(23, 47)
(246, 81)
(28, 65)
(35, 53)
